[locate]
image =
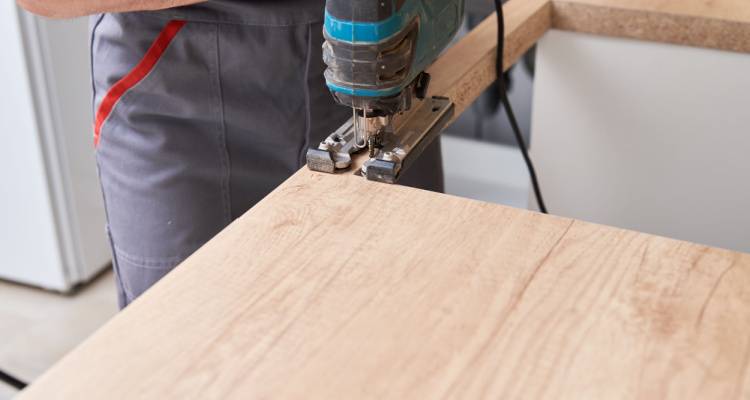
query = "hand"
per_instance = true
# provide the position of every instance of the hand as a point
(79, 8)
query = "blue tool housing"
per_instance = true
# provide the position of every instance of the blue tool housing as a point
(377, 48)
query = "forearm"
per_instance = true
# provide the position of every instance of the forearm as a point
(77, 8)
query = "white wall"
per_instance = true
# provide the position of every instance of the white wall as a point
(647, 136)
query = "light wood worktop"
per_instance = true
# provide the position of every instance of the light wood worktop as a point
(334, 287)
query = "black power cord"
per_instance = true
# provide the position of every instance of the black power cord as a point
(12, 381)
(509, 108)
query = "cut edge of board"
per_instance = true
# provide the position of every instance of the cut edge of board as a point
(652, 25)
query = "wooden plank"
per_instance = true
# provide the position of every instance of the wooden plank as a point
(718, 24)
(724, 10)
(334, 287)
(468, 68)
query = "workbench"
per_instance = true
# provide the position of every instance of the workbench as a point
(335, 287)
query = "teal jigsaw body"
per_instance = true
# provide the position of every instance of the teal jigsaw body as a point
(375, 49)
(377, 52)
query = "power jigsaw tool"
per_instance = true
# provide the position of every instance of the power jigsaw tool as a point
(376, 52)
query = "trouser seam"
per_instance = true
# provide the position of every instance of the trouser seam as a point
(91, 61)
(126, 293)
(145, 262)
(306, 85)
(223, 146)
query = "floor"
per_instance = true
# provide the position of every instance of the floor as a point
(39, 327)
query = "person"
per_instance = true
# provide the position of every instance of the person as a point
(200, 110)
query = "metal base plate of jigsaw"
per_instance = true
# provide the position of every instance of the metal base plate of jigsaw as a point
(397, 152)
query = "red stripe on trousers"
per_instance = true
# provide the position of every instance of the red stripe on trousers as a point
(144, 67)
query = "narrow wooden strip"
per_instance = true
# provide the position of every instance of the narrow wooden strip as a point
(727, 10)
(468, 68)
(723, 25)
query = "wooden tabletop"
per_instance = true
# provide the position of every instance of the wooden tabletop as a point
(335, 287)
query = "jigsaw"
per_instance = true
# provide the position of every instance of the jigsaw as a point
(376, 53)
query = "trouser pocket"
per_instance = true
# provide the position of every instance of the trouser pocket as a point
(162, 156)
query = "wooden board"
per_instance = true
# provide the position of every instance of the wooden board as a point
(334, 287)
(721, 10)
(468, 68)
(718, 24)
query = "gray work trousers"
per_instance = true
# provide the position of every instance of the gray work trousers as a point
(196, 121)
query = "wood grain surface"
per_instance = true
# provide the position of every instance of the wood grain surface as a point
(334, 287)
